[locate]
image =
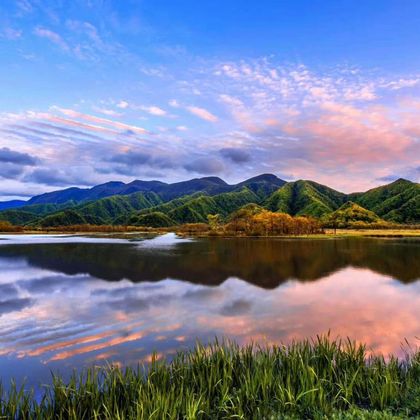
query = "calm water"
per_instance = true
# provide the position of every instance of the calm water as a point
(68, 302)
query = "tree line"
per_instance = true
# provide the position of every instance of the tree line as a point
(252, 220)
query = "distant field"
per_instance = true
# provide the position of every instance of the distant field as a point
(374, 232)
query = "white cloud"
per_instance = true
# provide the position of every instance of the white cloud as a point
(174, 103)
(123, 104)
(51, 36)
(154, 110)
(109, 112)
(402, 83)
(12, 34)
(230, 100)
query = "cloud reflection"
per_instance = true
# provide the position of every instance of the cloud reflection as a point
(71, 320)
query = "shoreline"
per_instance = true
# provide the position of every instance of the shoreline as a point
(329, 233)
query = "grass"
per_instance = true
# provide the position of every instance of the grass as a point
(308, 379)
(402, 232)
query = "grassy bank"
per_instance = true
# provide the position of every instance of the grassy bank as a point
(310, 379)
(395, 232)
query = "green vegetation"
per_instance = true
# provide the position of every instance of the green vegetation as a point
(193, 201)
(18, 217)
(196, 208)
(64, 218)
(351, 215)
(107, 209)
(154, 219)
(309, 379)
(305, 198)
(262, 185)
(397, 202)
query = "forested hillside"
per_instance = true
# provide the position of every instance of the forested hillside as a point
(163, 205)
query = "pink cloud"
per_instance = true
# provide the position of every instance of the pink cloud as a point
(202, 113)
(91, 118)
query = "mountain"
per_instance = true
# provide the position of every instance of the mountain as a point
(18, 217)
(107, 209)
(305, 198)
(66, 218)
(350, 214)
(161, 204)
(397, 202)
(12, 204)
(154, 219)
(195, 209)
(262, 185)
(102, 211)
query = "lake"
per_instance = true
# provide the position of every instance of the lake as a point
(71, 301)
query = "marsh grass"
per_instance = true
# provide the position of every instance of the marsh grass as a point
(321, 378)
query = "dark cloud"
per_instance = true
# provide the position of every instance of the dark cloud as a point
(238, 307)
(56, 177)
(10, 170)
(10, 156)
(235, 155)
(131, 158)
(8, 290)
(12, 305)
(129, 163)
(205, 166)
(126, 299)
(202, 294)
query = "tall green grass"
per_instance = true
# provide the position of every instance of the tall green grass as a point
(309, 379)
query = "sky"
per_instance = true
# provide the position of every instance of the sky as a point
(99, 90)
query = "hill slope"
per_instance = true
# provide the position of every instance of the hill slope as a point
(12, 204)
(262, 185)
(102, 211)
(195, 209)
(305, 198)
(192, 201)
(397, 202)
(350, 214)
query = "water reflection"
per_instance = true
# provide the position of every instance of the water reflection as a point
(57, 312)
(263, 262)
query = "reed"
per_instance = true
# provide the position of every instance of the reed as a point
(318, 378)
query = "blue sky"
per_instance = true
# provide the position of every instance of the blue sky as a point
(100, 90)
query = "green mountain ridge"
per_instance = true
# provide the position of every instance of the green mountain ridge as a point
(397, 202)
(305, 198)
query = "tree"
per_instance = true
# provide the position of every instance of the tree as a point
(214, 221)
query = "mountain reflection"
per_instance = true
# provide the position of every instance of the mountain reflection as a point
(263, 262)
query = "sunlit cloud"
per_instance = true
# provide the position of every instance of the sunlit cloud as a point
(91, 118)
(202, 113)
(154, 110)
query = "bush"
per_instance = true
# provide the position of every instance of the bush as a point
(8, 227)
